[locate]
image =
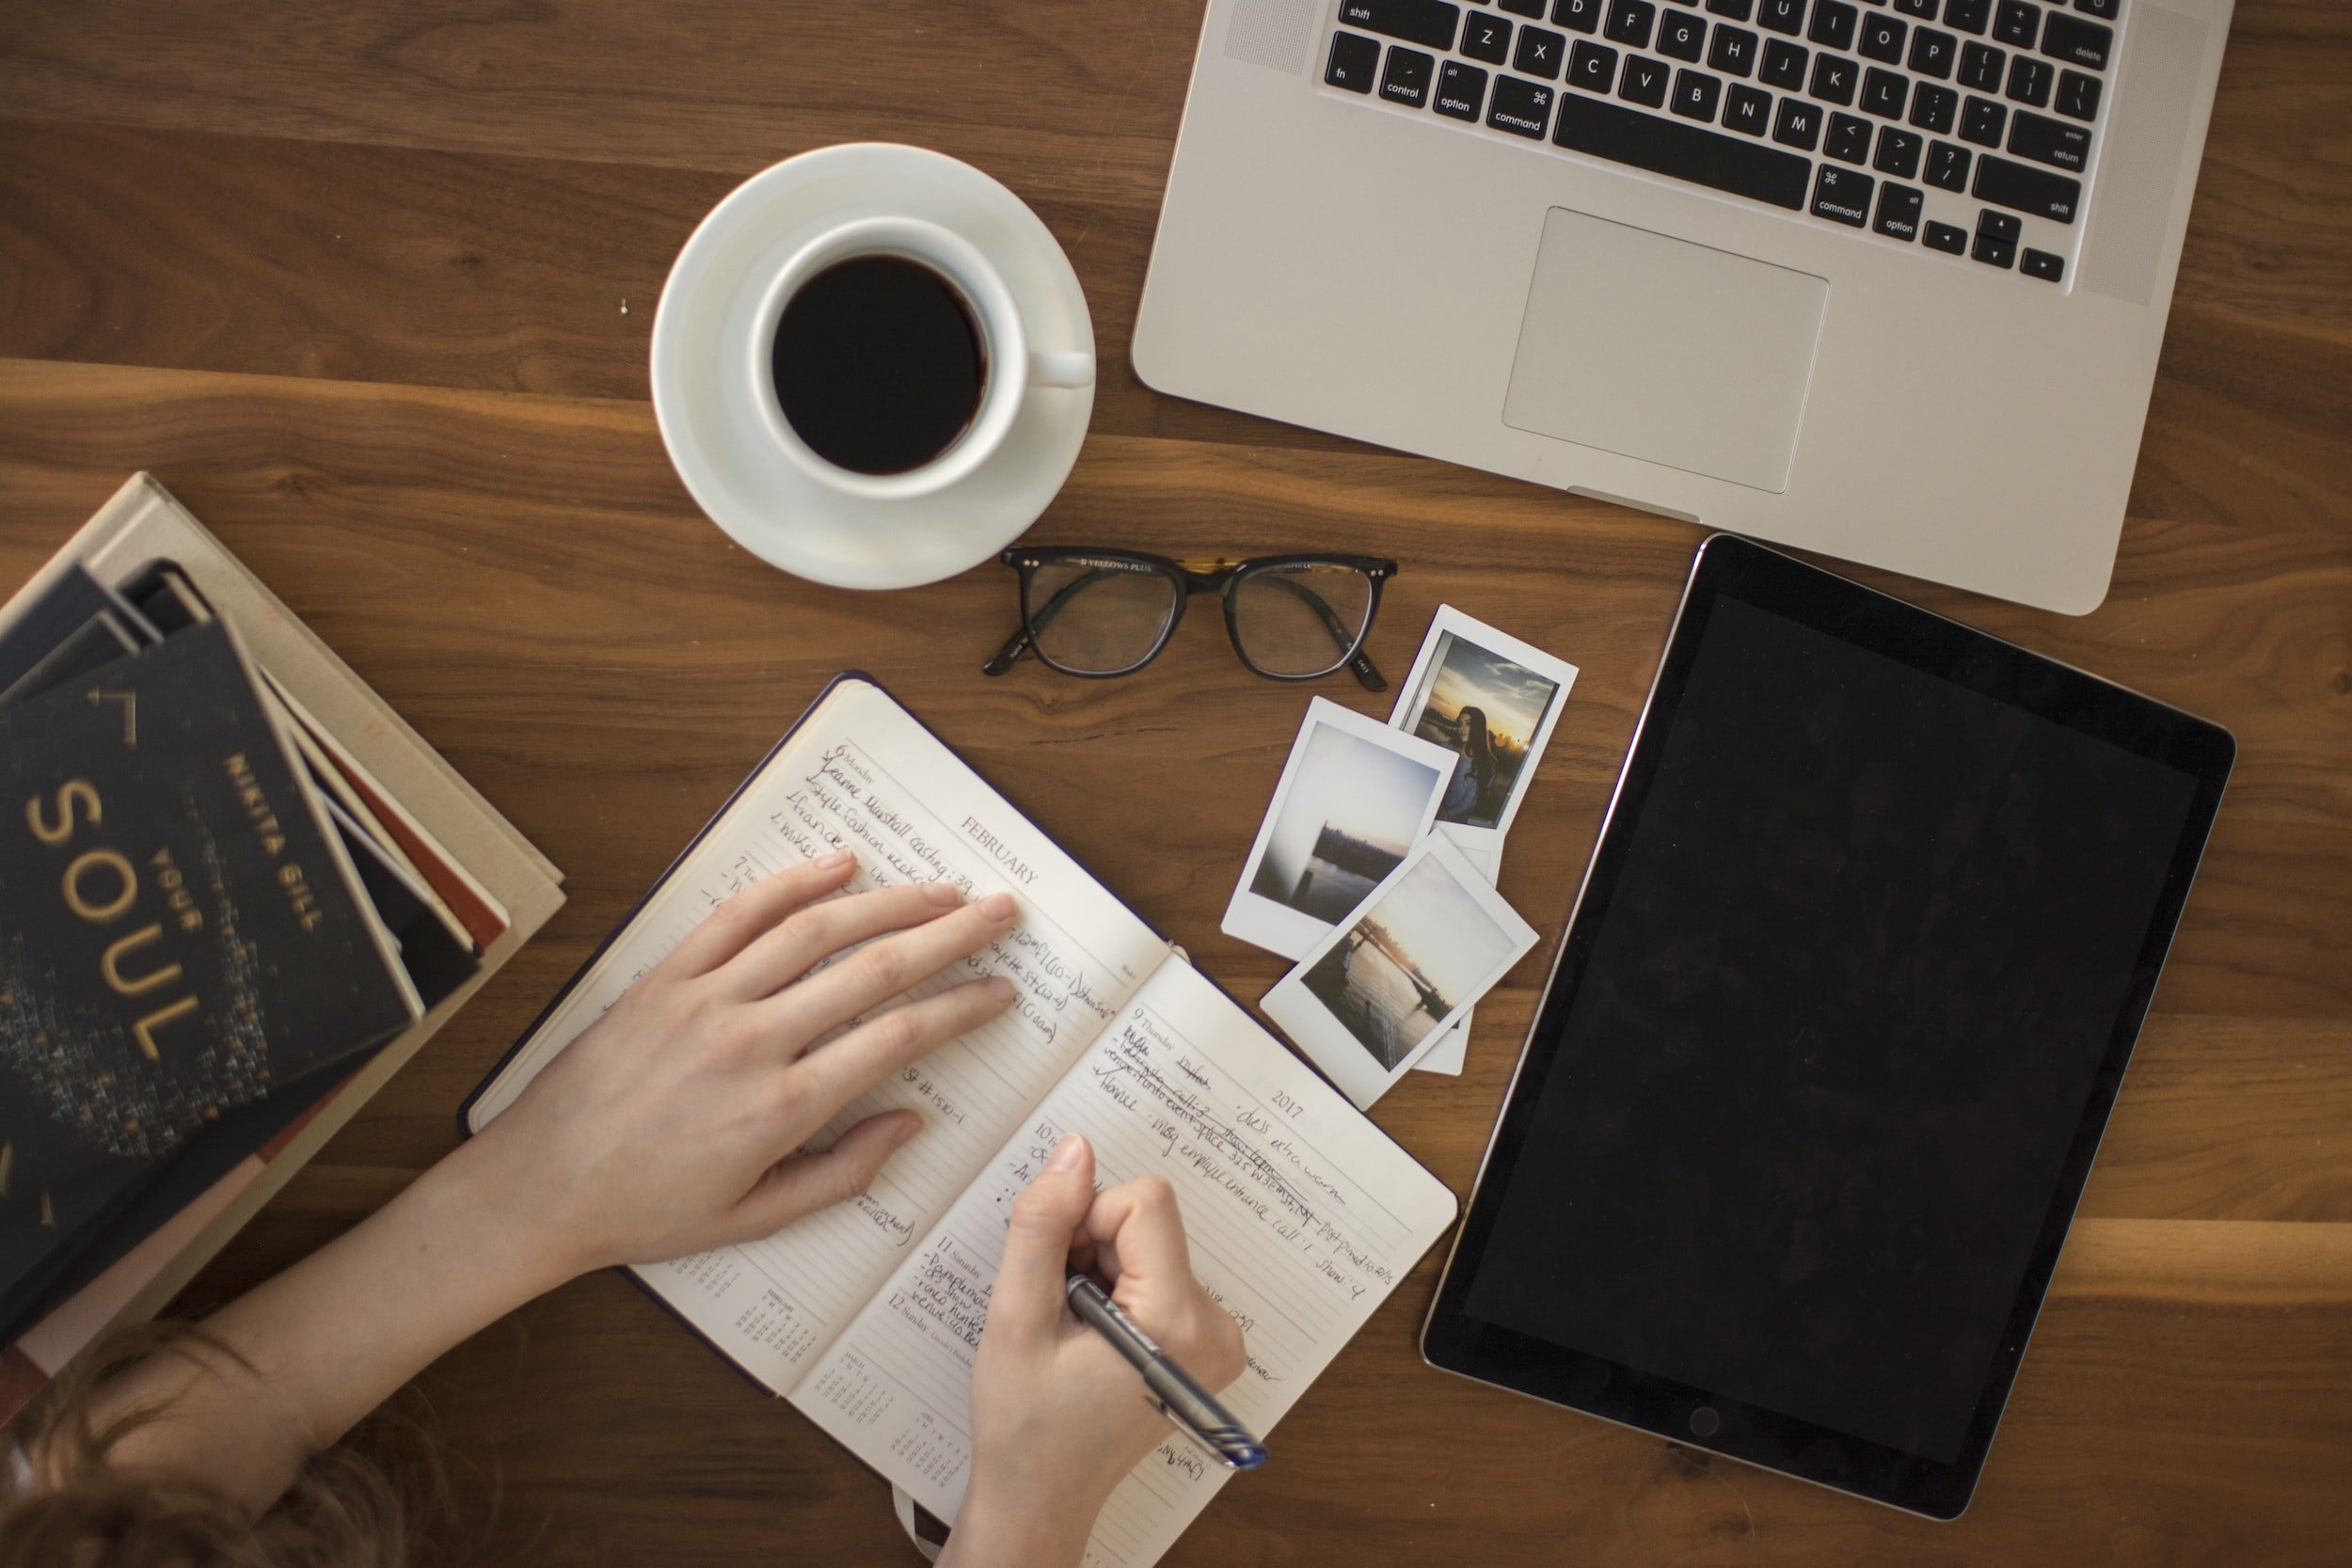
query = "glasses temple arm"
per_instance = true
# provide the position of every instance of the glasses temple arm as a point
(1023, 643)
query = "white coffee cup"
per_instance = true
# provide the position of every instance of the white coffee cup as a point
(1012, 368)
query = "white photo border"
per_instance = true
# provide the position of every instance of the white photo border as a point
(1410, 698)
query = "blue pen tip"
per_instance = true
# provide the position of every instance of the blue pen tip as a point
(1247, 1457)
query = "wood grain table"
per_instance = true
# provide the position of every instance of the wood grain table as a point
(368, 284)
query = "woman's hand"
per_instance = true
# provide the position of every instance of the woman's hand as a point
(1058, 1415)
(670, 1125)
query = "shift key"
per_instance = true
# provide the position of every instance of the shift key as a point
(2020, 187)
(1428, 22)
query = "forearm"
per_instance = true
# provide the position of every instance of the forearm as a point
(327, 1341)
(1009, 1524)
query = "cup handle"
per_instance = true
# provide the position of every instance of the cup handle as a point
(1061, 370)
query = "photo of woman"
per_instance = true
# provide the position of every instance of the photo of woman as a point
(1491, 711)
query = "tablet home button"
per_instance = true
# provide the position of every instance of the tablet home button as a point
(1704, 1422)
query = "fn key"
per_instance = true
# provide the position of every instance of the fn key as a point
(1355, 62)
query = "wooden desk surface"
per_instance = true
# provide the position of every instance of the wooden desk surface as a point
(368, 284)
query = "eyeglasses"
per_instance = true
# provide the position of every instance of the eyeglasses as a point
(1099, 614)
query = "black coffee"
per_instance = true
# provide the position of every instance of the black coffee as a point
(878, 364)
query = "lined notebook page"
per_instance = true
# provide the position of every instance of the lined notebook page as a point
(861, 774)
(1301, 1215)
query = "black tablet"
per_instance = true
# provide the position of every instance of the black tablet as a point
(1874, 916)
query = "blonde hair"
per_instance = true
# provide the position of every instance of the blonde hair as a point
(378, 1499)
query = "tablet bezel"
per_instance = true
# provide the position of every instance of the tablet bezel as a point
(1452, 1340)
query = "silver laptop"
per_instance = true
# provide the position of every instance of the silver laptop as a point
(1885, 280)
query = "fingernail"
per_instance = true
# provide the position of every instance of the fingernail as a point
(907, 1130)
(1000, 991)
(997, 905)
(1066, 1152)
(946, 895)
(835, 861)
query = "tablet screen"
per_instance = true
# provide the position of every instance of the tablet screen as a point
(1807, 1102)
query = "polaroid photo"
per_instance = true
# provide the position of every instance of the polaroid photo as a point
(1354, 797)
(1451, 1051)
(1390, 980)
(1491, 699)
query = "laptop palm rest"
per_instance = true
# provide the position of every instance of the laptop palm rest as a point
(1652, 347)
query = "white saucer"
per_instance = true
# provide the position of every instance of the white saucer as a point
(734, 467)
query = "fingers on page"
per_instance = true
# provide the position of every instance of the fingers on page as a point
(744, 918)
(807, 1182)
(815, 932)
(882, 969)
(879, 1047)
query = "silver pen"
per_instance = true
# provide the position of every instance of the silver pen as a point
(1180, 1397)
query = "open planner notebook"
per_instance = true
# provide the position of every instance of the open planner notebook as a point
(1302, 1216)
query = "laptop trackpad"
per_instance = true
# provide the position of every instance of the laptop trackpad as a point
(1657, 348)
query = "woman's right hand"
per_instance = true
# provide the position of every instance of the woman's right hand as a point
(1058, 1415)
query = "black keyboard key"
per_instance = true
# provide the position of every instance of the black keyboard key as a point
(2001, 226)
(1748, 110)
(2077, 95)
(1899, 153)
(1833, 78)
(1933, 53)
(1461, 89)
(2017, 22)
(1539, 53)
(1882, 38)
(1407, 77)
(1784, 65)
(1629, 22)
(2029, 80)
(1697, 94)
(1980, 67)
(1968, 16)
(1832, 23)
(1487, 38)
(1947, 166)
(2077, 41)
(2027, 189)
(2104, 9)
(1884, 92)
(1427, 22)
(1982, 123)
(1993, 251)
(1948, 237)
(1682, 151)
(1780, 16)
(1578, 16)
(1533, 9)
(2049, 141)
(1644, 81)
(1592, 67)
(1733, 10)
(2042, 264)
(1848, 139)
(1842, 195)
(1924, 9)
(1355, 60)
(1797, 124)
(1732, 51)
(1934, 107)
(1519, 107)
(1899, 211)
(1682, 35)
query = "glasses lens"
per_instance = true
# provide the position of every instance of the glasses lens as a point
(1098, 617)
(1301, 619)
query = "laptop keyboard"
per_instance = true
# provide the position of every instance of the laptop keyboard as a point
(1960, 126)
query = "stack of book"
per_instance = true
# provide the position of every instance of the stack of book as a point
(236, 893)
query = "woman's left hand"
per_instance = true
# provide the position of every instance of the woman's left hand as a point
(670, 1125)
